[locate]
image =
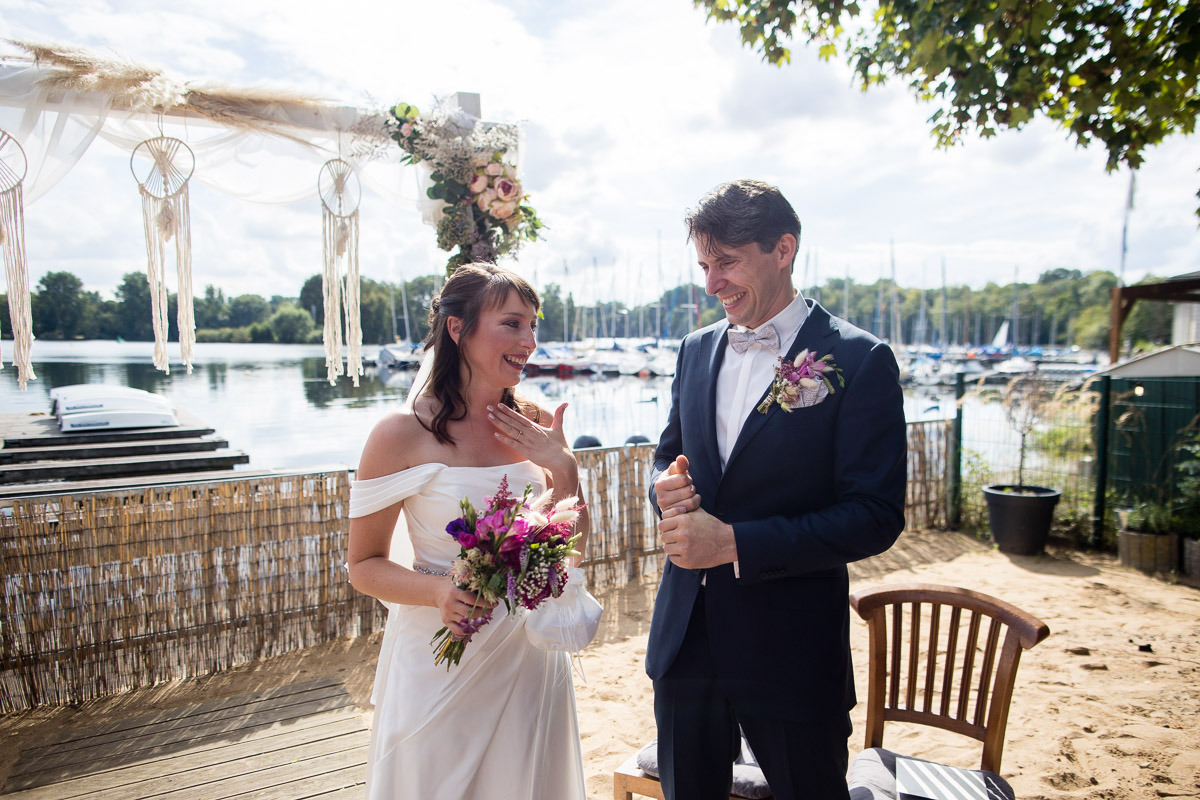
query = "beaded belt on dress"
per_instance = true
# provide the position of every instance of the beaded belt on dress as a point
(428, 571)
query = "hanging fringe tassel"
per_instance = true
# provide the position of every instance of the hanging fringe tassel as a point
(350, 291)
(339, 221)
(185, 315)
(330, 288)
(12, 241)
(166, 216)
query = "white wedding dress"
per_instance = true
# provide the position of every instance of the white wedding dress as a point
(501, 724)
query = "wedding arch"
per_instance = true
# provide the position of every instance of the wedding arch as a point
(56, 101)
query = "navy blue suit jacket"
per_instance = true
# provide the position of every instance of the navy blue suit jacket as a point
(806, 492)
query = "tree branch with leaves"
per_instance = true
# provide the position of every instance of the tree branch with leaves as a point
(1123, 74)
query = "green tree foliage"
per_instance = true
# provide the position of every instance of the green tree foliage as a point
(550, 327)
(133, 308)
(212, 310)
(1124, 74)
(312, 299)
(247, 309)
(1062, 308)
(58, 305)
(290, 324)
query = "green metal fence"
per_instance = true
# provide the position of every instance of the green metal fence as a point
(1107, 444)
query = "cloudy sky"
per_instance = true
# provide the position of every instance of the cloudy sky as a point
(631, 109)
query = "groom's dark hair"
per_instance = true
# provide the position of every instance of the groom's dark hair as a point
(739, 212)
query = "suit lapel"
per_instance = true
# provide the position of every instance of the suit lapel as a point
(812, 333)
(712, 354)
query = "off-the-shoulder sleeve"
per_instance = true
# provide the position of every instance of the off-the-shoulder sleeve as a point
(375, 494)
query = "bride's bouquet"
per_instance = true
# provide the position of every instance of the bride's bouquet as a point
(512, 551)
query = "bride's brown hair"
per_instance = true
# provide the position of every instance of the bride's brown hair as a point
(468, 291)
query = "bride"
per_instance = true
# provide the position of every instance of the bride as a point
(501, 723)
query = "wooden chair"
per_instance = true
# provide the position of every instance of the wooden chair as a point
(630, 780)
(944, 657)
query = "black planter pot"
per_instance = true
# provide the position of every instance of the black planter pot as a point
(1020, 517)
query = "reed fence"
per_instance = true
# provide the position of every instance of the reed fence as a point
(108, 591)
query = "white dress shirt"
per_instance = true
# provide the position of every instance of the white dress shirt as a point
(744, 377)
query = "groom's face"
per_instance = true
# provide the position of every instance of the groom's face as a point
(752, 286)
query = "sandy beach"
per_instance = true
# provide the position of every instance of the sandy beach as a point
(1106, 707)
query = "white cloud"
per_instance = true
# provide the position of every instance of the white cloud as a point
(632, 112)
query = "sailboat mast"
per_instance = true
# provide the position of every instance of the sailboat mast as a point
(943, 341)
(897, 334)
(1016, 308)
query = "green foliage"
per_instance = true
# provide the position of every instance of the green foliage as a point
(1123, 74)
(261, 333)
(289, 325)
(133, 300)
(58, 304)
(1150, 518)
(246, 309)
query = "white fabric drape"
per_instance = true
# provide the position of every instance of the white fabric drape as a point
(57, 128)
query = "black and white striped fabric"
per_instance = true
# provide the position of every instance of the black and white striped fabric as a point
(873, 776)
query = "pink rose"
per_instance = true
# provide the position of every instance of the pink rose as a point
(485, 199)
(406, 129)
(502, 210)
(494, 169)
(478, 184)
(507, 190)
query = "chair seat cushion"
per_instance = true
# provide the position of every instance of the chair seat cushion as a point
(748, 779)
(872, 776)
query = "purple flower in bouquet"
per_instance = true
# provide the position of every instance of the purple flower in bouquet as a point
(461, 532)
(514, 552)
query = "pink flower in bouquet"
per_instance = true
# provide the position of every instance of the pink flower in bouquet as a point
(502, 210)
(485, 199)
(494, 168)
(478, 184)
(507, 189)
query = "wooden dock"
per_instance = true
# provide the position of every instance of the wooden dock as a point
(35, 452)
(299, 741)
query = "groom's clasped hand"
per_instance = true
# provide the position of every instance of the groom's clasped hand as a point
(692, 538)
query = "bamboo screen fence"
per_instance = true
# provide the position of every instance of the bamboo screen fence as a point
(107, 591)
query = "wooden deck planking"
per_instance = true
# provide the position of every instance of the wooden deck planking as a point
(16, 455)
(296, 742)
(293, 743)
(211, 711)
(113, 750)
(125, 465)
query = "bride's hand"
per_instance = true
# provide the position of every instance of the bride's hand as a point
(457, 604)
(544, 446)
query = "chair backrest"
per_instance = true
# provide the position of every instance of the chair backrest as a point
(945, 657)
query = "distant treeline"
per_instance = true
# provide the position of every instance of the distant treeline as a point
(1063, 308)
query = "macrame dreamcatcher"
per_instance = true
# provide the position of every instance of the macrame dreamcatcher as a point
(340, 194)
(163, 184)
(12, 241)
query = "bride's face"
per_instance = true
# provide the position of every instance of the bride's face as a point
(502, 341)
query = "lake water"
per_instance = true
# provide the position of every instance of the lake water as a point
(274, 402)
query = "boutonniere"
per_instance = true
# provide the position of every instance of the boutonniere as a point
(802, 383)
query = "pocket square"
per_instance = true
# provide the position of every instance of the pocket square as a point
(794, 397)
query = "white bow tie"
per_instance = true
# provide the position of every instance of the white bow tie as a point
(767, 337)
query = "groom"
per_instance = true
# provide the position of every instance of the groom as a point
(762, 507)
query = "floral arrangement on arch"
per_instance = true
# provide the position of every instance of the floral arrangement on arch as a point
(486, 213)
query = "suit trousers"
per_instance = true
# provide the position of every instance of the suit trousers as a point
(698, 736)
